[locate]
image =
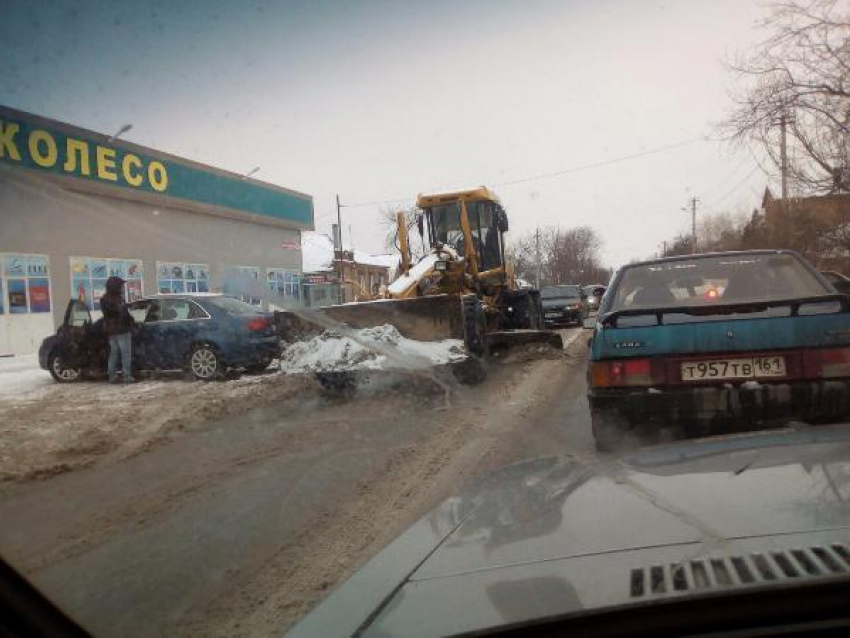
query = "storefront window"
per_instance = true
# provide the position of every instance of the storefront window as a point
(24, 284)
(178, 277)
(89, 275)
(253, 275)
(285, 283)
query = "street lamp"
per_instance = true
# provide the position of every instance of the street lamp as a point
(251, 172)
(120, 132)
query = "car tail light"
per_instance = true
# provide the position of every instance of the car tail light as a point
(627, 372)
(260, 323)
(827, 363)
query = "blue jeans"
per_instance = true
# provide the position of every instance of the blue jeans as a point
(119, 345)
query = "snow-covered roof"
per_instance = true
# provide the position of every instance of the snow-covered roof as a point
(387, 261)
(317, 254)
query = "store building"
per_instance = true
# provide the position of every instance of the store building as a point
(77, 206)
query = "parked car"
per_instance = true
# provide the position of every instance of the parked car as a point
(735, 535)
(839, 281)
(594, 294)
(706, 343)
(203, 334)
(563, 304)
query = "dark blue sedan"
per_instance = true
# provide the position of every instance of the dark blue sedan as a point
(204, 335)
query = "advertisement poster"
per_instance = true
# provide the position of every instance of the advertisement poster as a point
(98, 289)
(133, 290)
(37, 267)
(14, 266)
(134, 270)
(79, 266)
(116, 268)
(82, 290)
(39, 291)
(169, 270)
(98, 269)
(17, 295)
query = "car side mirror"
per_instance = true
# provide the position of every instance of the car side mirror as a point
(589, 323)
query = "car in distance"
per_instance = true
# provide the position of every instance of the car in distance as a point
(563, 304)
(731, 535)
(202, 334)
(594, 294)
(701, 344)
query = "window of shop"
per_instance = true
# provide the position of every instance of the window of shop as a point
(89, 275)
(177, 277)
(253, 275)
(285, 284)
(24, 284)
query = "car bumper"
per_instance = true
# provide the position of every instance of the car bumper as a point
(727, 407)
(44, 353)
(568, 316)
(253, 351)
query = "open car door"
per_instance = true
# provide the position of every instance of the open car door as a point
(84, 343)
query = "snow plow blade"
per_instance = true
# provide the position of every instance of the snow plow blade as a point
(504, 339)
(432, 318)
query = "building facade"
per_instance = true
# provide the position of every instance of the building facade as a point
(333, 276)
(77, 207)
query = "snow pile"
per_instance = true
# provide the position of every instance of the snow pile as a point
(21, 375)
(377, 348)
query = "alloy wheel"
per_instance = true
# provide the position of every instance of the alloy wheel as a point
(204, 363)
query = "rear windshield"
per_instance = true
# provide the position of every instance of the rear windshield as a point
(560, 292)
(714, 280)
(234, 306)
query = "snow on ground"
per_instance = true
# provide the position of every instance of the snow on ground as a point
(377, 348)
(21, 376)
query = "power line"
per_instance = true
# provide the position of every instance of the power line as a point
(735, 187)
(586, 167)
(575, 169)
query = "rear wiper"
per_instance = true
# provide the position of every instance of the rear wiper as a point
(610, 319)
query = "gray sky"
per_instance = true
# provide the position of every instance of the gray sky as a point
(385, 99)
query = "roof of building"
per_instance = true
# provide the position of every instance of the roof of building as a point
(317, 254)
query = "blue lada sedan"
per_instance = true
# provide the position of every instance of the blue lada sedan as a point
(702, 344)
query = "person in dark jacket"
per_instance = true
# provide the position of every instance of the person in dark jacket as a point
(118, 325)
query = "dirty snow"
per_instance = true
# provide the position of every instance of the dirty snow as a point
(377, 348)
(22, 376)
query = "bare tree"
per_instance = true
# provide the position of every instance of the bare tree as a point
(800, 74)
(568, 256)
(416, 242)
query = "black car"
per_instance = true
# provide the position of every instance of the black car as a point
(203, 334)
(563, 304)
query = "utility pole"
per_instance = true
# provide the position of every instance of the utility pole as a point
(537, 252)
(693, 211)
(340, 295)
(783, 155)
